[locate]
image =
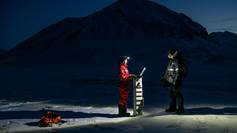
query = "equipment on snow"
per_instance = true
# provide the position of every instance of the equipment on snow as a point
(49, 118)
(138, 99)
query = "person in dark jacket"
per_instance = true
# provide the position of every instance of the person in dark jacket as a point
(172, 79)
(125, 79)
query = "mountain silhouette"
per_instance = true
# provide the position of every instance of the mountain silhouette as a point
(140, 28)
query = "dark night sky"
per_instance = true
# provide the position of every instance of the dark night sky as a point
(21, 19)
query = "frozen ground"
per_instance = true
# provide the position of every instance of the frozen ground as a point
(23, 117)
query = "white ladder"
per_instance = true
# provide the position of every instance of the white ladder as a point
(138, 99)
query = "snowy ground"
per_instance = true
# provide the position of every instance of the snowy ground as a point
(23, 117)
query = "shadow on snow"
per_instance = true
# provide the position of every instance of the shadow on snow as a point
(202, 111)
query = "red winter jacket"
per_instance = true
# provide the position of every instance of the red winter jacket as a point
(123, 72)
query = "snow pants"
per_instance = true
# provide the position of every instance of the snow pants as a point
(175, 93)
(123, 93)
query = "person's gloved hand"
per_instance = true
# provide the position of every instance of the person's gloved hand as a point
(138, 76)
(131, 76)
(163, 82)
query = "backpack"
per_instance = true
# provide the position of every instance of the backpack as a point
(50, 118)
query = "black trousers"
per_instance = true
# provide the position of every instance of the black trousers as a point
(175, 94)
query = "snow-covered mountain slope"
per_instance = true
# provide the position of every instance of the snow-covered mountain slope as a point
(226, 38)
(141, 28)
(89, 47)
(226, 45)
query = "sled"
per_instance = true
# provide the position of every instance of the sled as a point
(138, 99)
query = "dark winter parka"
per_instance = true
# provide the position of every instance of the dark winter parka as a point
(175, 71)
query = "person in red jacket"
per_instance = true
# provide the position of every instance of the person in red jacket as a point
(125, 78)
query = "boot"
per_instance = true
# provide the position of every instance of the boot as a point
(172, 104)
(123, 112)
(169, 110)
(180, 104)
(180, 110)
